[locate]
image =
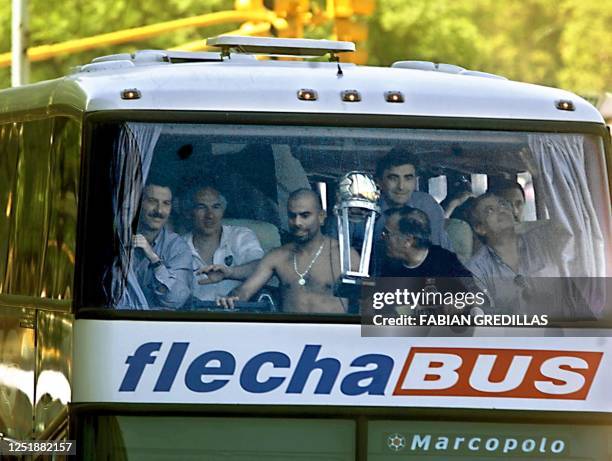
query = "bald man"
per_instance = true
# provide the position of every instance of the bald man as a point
(307, 268)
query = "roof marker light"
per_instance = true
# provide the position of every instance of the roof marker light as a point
(351, 96)
(306, 94)
(130, 93)
(565, 104)
(394, 96)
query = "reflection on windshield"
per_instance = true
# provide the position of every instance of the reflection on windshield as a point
(248, 218)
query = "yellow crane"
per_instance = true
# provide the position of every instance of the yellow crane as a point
(287, 19)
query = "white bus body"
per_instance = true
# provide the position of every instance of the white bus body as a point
(134, 381)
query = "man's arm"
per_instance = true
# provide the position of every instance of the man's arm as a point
(171, 270)
(248, 249)
(218, 272)
(173, 276)
(265, 270)
(451, 205)
(172, 289)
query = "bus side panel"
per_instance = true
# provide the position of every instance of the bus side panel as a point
(39, 167)
(17, 356)
(53, 370)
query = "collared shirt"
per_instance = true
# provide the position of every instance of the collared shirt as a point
(167, 285)
(504, 285)
(238, 246)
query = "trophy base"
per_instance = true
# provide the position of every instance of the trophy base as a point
(351, 287)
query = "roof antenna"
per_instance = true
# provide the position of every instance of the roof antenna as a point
(225, 52)
(334, 58)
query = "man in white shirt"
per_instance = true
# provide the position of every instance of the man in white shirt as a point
(222, 255)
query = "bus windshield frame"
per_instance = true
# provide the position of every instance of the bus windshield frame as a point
(96, 161)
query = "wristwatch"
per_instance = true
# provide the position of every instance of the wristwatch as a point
(156, 264)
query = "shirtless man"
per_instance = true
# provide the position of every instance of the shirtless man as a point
(307, 268)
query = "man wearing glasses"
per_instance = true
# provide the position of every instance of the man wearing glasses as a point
(409, 249)
(508, 260)
(424, 267)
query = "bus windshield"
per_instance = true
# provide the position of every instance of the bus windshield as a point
(189, 215)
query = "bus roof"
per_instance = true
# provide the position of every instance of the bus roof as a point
(208, 82)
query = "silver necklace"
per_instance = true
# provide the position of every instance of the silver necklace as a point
(302, 280)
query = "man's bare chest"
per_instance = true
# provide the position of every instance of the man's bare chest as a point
(295, 273)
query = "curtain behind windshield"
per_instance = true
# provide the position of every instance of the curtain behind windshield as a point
(134, 153)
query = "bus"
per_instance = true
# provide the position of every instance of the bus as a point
(111, 177)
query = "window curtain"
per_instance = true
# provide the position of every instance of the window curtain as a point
(130, 168)
(560, 161)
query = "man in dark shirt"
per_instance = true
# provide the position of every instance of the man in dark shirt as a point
(422, 266)
(409, 251)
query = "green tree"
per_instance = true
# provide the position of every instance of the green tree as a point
(440, 30)
(57, 22)
(586, 46)
(561, 43)
(564, 43)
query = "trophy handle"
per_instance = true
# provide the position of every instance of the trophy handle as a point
(344, 243)
(366, 246)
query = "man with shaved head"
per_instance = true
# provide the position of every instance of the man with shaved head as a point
(307, 267)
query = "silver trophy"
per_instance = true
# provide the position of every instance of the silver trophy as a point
(357, 208)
